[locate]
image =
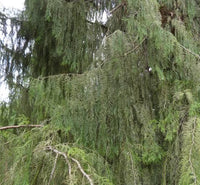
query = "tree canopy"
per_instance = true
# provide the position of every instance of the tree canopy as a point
(101, 102)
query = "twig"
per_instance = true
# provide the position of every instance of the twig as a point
(20, 126)
(82, 171)
(53, 170)
(132, 50)
(117, 7)
(98, 23)
(189, 51)
(125, 54)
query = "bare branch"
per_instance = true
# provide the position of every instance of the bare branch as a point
(20, 126)
(53, 170)
(62, 154)
(82, 171)
(76, 161)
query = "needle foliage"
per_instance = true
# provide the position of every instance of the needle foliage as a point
(118, 101)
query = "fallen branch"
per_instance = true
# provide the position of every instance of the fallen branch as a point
(20, 126)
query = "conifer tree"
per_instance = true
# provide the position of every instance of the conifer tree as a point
(101, 102)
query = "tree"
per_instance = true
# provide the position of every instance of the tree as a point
(118, 103)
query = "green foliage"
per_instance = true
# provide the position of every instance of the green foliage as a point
(121, 98)
(31, 163)
(190, 161)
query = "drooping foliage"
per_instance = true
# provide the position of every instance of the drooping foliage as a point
(117, 102)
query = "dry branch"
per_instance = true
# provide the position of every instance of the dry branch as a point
(20, 126)
(82, 171)
(69, 165)
(53, 170)
(62, 154)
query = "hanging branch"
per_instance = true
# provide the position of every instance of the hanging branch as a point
(189, 51)
(20, 126)
(132, 50)
(125, 54)
(69, 165)
(59, 75)
(53, 170)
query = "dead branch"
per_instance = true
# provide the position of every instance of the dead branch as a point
(69, 165)
(20, 126)
(82, 171)
(53, 170)
(62, 154)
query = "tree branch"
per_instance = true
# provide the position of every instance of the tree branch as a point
(62, 154)
(125, 54)
(189, 51)
(104, 27)
(191, 151)
(20, 126)
(136, 47)
(123, 3)
(82, 171)
(53, 170)
(69, 165)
